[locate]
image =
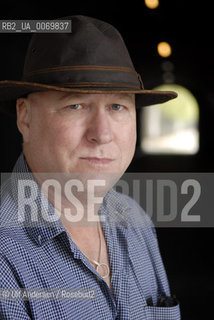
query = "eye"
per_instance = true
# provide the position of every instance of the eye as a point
(116, 107)
(74, 106)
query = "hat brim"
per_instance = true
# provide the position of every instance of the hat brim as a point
(12, 90)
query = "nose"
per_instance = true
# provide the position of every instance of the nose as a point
(99, 129)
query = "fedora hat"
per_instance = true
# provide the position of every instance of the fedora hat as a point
(92, 58)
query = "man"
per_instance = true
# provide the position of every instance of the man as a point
(64, 230)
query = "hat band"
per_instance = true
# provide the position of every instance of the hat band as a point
(80, 67)
(98, 85)
(87, 75)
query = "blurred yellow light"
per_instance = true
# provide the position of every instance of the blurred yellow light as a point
(164, 49)
(152, 4)
(172, 127)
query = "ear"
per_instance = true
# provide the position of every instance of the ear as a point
(23, 111)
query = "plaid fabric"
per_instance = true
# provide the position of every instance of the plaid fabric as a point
(40, 256)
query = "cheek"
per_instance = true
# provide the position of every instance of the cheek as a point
(130, 135)
(37, 133)
(128, 142)
(64, 136)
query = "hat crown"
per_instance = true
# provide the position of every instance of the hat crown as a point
(92, 42)
(93, 58)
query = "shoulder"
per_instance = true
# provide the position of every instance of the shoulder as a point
(7, 205)
(11, 231)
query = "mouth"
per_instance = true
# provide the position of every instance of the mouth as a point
(97, 161)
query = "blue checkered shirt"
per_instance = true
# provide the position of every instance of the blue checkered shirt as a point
(42, 259)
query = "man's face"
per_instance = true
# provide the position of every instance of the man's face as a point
(79, 132)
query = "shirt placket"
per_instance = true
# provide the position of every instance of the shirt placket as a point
(77, 254)
(117, 241)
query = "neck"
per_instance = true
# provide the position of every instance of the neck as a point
(80, 209)
(76, 201)
(80, 214)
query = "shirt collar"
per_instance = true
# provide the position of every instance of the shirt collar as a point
(39, 218)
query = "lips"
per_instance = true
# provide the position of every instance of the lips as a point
(98, 161)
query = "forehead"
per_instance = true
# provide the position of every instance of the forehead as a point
(50, 96)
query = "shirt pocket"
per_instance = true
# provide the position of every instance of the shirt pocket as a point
(163, 313)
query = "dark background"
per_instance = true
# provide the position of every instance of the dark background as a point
(188, 27)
